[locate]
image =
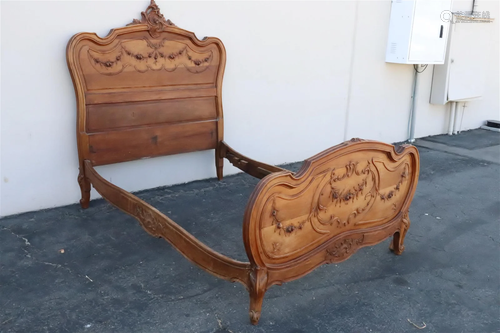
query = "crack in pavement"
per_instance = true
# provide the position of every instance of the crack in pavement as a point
(31, 256)
(26, 242)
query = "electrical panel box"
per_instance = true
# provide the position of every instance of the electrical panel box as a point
(462, 76)
(418, 31)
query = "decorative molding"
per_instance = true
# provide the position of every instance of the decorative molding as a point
(144, 55)
(84, 188)
(397, 244)
(389, 195)
(349, 195)
(406, 220)
(344, 196)
(338, 191)
(257, 286)
(276, 247)
(279, 226)
(148, 220)
(343, 248)
(154, 19)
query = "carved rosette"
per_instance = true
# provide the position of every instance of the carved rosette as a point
(148, 220)
(154, 19)
(343, 248)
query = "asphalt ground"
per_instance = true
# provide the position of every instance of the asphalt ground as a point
(113, 277)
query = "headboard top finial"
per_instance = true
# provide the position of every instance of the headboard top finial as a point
(154, 19)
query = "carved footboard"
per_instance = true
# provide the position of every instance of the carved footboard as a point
(350, 196)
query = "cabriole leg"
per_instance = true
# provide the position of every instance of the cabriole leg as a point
(257, 289)
(84, 188)
(397, 244)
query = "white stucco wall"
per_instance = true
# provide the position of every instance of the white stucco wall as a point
(294, 71)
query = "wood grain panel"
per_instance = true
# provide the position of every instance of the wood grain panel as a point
(118, 115)
(127, 145)
(136, 95)
(337, 192)
(142, 61)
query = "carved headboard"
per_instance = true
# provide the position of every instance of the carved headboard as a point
(145, 90)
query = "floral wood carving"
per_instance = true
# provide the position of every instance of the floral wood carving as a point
(343, 248)
(406, 219)
(389, 195)
(154, 19)
(287, 229)
(334, 194)
(367, 190)
(145, 55)
(148, 220)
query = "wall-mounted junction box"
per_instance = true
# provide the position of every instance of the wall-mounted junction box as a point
(462, 76)
(418, 31)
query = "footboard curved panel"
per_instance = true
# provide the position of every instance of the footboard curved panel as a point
(349, 196)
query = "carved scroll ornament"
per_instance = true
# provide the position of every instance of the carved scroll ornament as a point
(361, 188)
(154, 19)
(343, 248)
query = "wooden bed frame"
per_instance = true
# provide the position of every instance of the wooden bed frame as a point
(152, 89)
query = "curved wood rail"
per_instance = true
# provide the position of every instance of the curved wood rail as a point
(159, 225)
(252, 167)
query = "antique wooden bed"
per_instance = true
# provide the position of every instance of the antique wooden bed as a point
(152, 89)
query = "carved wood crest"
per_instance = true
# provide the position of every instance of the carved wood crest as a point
(154, 19)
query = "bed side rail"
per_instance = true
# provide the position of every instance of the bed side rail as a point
(159, 225)
(253, 168)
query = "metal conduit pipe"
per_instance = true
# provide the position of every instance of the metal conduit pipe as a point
(413, 108)
(453, 111)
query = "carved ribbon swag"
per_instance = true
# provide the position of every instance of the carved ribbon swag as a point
(145, 54)
(366, 189)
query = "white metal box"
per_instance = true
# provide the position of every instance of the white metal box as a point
(462, 76)
(418, 31)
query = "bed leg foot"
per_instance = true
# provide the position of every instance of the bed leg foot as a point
(257, 289)
(85, 189)
(397, 245)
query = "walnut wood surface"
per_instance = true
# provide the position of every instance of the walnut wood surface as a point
(248, 165)
(349, 196)
(152, 89)
(145, 90)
